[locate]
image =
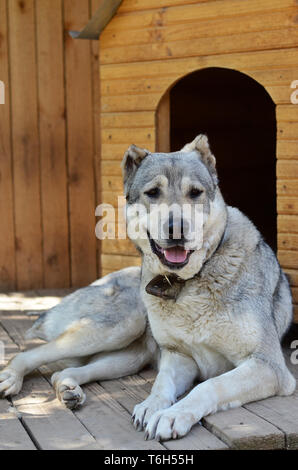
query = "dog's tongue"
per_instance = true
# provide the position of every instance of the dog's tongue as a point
(176, 255)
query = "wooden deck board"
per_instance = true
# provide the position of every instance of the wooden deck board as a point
(132, 390)
(12, 434)
(240, 429)
(51, 425)
(38, 420)
(110, 423)
(282, 412)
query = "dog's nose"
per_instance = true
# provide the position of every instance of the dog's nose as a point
(177, 229)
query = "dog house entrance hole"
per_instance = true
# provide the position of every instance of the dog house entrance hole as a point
(238, 115)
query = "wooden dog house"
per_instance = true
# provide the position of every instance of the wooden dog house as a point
(223, 67)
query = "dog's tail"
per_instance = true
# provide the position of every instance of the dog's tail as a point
(36, 331)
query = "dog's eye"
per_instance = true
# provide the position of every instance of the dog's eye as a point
(154, 192)
(194, 193)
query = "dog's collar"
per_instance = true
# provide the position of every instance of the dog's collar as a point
(168, 286)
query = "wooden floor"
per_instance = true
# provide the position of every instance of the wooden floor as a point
(35, 419)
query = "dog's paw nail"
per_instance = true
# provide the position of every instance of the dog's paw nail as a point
(158, 438)
(175, 435)
(146, 436)
(140, 427)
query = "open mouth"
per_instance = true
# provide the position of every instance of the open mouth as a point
(174, 257)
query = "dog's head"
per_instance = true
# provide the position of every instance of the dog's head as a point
(175, 212)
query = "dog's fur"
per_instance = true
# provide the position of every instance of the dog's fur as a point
(100, 331)
(224, 329)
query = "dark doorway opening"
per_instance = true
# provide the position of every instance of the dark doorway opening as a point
(238, 115)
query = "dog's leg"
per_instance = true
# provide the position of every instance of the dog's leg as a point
(103, 366)
(176, 375)
(79, 341)
(252, 380)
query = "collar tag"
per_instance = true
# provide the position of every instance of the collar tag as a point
(166, 287)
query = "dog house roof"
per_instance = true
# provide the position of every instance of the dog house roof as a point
(99, 21)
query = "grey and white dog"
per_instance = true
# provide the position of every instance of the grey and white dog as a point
(217, 312)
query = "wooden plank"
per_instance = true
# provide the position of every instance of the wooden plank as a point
(97, 125)
(292, 276)
(282, 412)
(136, 86)
(29, 260)
(7, 242)
(189, 13)
(52, 143)
(116, 262)
(113, 198)
(82, 199)
(110, 167)
(287, 223)
(287, 187)
(244, 62)
(116, 151)
(10, 348)
(295, 294)
(287, 130)
(200, 29)
(253, 41)
(280, 94)
(123, 120)
(288, 258)
(122, 136)
(157, 84)
(287, 169)
(52, 426)
(241, 429)
(130, 103)
(287, 113)
(149, 101)
(149, 374)
(110, 423)
(163, 125)
(287, 149)
(17, 323)
(13, 434)
(288, 241)
(119, 247)
(112, 183)
(287, 205)
(137, 5)
(132, 390)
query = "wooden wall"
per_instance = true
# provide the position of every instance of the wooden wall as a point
(145, 49)
(49, 145)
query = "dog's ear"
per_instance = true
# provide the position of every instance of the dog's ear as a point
(132, 159)
(201, 145)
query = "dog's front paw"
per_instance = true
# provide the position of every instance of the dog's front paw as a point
(68, 391)
(143, 412)
(169, 424)
(10, 382)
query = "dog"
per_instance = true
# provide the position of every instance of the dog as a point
(217, 310)
(210, 309)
